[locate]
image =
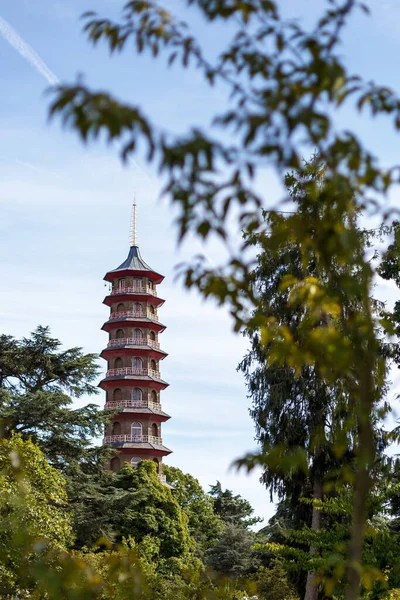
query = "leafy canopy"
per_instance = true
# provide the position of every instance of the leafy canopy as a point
(33, 503)
(144, 508)
(205, 524)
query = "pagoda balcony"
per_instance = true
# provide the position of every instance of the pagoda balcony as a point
(133, 371)
(133, 342)
(149, 439)
(128, 403)
(134, 315)
(133, 290)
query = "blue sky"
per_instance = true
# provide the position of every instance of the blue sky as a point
(65, 212)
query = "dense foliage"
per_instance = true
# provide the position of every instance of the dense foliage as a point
(72, 529)
(145, 508)
(203, 520)
(33, 503)
(149, 549)
(38, 384)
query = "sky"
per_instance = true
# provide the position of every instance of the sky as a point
(65, 211)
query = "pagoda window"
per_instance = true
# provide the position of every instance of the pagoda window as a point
(138, 308)
(152, 310)
(154, 396)
(154, 430)
(120, 334)
(153, 365)
(137, 284)
(117, 395)
(121, 307)
(137, 363)
(152, 336)
(118, 363)
(136, 429)
(116, 428)
(137, 395)
(121, 284)
(135, 460)
(115, 464)
(157, 463)
(138, 334)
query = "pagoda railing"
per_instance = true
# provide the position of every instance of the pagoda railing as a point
(133, 290)
(133, 371)
(133, 341)
(151, 439)
(134, 314)
(162, 478)
(128, 403)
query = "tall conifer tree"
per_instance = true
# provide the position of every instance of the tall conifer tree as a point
(305, 412)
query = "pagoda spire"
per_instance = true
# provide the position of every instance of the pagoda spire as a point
(132, 235)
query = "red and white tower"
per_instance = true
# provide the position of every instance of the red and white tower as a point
(133, 382)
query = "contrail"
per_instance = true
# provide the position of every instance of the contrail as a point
(25, 50)
(27, 165)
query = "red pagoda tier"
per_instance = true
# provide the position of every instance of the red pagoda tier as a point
(133, 382)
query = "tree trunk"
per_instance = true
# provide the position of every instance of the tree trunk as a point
(362, 481)
(311, 592)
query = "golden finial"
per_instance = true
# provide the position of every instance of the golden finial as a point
(133, 224)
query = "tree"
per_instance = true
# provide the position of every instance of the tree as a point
(304, 410)
(204, 524)
(91, 504)
(36, 378)
(233, 510)
(285, 83)
(273, 584)
(145, 509)
(233, 554)
(33, 500)
(38, 382)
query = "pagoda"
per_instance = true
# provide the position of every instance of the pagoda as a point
(133, 382)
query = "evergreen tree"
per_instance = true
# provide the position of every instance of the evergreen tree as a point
(305, 411)
(233, 510)
(233, 555)
(38, 382)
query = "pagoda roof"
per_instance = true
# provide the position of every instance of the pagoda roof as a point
(134, 261)
(144, 447)
(135, 264)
